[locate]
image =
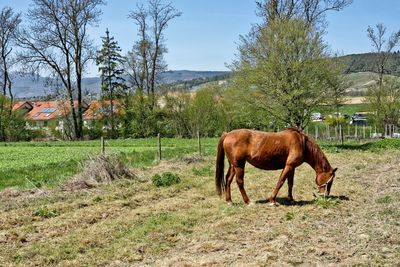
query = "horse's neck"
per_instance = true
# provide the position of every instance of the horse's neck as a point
(316, 158)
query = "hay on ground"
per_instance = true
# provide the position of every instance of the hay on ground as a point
(99, 169)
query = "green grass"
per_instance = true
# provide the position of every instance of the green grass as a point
(37, 164)
(348, 109)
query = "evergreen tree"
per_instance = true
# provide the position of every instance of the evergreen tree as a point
(109, 61)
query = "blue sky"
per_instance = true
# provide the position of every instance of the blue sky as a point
(205, 37)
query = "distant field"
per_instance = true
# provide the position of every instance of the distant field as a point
(34, 164)
(346, 109)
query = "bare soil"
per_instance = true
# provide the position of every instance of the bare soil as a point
(133, 223)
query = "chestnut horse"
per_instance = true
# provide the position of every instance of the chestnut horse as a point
(270, 151)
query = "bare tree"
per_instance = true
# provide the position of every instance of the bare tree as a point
(56, 41)
(9, 22)
(145, 61)
(383, 47)
(384, 95)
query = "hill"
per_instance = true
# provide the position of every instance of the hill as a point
(367, 63)
(27, 86)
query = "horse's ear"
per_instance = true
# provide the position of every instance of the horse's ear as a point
(334, 170)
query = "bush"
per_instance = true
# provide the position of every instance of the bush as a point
(165, 179)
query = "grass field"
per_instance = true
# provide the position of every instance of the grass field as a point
(134, 223)
(35, 164)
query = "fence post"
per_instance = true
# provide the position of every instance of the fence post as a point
(363, 132)
(316, 132)
(348, 131)
(328, 132)
(307, 130)
(199, 142)
(103, 148)
(355, 133)
(341, 134)
(370, 132)
(158, 147)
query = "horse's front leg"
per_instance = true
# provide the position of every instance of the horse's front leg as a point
(287, 172)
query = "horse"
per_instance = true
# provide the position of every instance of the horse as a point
(284, 150)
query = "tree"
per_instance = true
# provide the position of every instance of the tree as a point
(286, 72)
(9, 22)
(110, 61)
(56, 41)
(145, 61)
(383, 96)
(312, 12)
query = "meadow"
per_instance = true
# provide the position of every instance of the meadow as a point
(132, 222)
(37, 164)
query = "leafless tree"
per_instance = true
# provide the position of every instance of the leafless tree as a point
(56, 41)
(145, 61)
(384, 96)
(382, 46)
(9, 22)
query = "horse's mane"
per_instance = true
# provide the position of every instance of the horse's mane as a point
(314, 152)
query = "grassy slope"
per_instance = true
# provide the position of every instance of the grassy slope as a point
(132, 223)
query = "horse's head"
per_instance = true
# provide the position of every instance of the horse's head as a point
(324, 181)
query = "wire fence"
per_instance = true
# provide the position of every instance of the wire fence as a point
(350, 132)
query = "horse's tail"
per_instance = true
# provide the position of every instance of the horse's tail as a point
(219, 166)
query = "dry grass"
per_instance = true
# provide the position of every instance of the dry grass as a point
(132, 223)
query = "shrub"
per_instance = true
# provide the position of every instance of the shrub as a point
(165, 179)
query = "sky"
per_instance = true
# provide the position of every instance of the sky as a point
(206, 36)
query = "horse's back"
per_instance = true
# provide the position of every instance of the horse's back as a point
(266, 150)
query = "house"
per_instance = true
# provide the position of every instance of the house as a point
(99, 110)
(22, 106)
(46, 113)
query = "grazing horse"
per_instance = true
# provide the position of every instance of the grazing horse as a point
(270, 151)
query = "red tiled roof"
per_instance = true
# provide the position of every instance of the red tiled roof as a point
(48, 110)
(20, 104)
(96, 109)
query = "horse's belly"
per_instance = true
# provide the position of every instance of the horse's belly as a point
(267, 163)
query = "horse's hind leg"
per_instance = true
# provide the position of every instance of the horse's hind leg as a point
(290, 186)
(229, 178)
(239, 171)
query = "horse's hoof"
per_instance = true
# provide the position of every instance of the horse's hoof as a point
(251, 203)
(229, 203)
(273, 204)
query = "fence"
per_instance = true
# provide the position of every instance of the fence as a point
(158, 148)
(348, 132)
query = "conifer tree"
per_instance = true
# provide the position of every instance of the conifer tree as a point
(110, 62)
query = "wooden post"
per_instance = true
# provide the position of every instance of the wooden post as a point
(158, 147)
(316, 132)
(341, 134)
(199, 142)
(307, 130)
(348, 131)
(328, 132)
(363, 132)
(103, 148)
(355, 133)
(370, 132)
